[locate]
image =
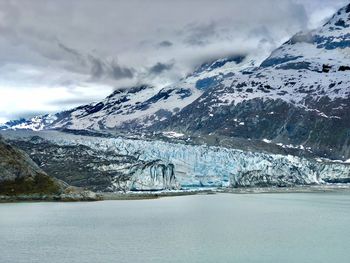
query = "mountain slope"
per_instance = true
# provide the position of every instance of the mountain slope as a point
(300, 95)
(138, 107)
(20, 175)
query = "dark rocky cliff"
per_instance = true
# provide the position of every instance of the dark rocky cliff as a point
(22, 179)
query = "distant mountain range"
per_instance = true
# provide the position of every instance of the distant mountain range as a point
(299, 96)
(138, 107)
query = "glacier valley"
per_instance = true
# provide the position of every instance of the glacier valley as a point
(130, 164)
(235, 121)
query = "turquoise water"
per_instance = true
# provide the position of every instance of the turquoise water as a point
(205, 228)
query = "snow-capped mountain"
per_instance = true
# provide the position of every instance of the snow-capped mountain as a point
(138, 107)
(299, 95)
(36, 123)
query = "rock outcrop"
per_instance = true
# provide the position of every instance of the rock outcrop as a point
(22, 179)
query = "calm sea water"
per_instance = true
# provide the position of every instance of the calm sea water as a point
(214, 228)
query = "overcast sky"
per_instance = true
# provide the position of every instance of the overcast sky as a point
(58, 54)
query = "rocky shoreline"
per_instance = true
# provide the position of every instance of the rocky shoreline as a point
(82, 196)
(88, 196)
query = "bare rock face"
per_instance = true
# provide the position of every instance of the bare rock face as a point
(21, 178)
(20, 175)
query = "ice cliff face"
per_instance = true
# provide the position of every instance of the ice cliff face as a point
(95, 168)
(162, 165)
(151, 175)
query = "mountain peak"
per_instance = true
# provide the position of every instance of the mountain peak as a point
(340, 20)
(313, 50)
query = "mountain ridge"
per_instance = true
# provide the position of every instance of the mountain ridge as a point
(138, 107)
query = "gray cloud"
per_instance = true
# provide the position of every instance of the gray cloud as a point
(118, 72)
(70, 50)
(97, 67)
(200, 34)
(100, 69)
(165, 43)
(161, 67)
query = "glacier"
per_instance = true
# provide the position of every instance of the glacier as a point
(162, 165)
